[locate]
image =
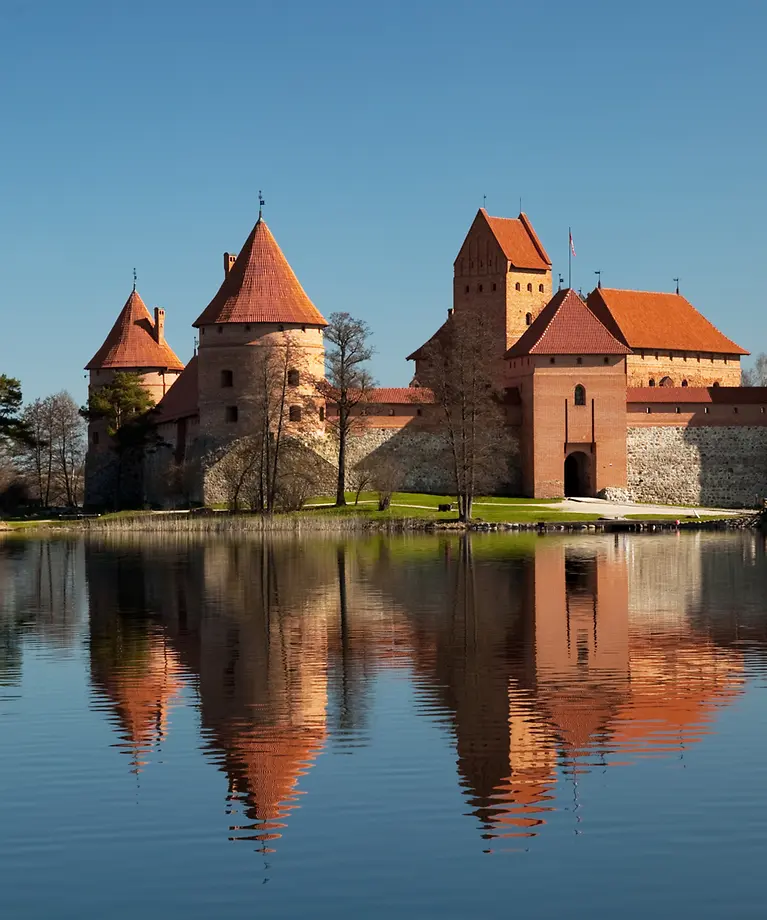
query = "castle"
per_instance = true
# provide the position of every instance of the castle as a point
(626, 393)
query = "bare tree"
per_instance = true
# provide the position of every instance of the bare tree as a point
(756, 376)
(348, 383)
(384, 473)
(457, 370)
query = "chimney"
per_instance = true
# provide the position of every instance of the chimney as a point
(229, 260)
(159, 325)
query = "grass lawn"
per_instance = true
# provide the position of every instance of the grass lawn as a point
(425, 500)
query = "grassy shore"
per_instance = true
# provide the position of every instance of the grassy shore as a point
(407, 510)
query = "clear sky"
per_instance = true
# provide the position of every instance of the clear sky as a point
(139, 133)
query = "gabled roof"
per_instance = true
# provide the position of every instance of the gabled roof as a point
(668, 322)
(518, 241)
(261, 288)
(438, 336)
(566, 326)
(181, 399)
(132, 342)
(400, 396)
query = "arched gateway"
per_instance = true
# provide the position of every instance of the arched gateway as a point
(578, 478)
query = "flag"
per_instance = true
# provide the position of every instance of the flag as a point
(572, 246)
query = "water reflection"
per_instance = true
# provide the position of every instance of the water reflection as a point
(547, 658)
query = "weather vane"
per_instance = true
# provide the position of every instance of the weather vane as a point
(676, 282)
(135, 279)
(599, 278)
(261, 202)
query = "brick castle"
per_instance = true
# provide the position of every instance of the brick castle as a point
(625, 393)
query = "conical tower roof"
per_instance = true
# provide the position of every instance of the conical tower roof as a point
(132, 342)
(261, 287)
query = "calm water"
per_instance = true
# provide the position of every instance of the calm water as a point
(417, 727)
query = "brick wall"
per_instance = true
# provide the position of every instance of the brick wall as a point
(699, 370)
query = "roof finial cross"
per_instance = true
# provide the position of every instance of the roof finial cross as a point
(484, 201)
(599, 278)
(135, 278)
(261, 203)
(676, 282)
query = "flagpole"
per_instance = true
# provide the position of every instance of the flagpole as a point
(569, 257)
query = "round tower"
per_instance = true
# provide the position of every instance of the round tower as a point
(136, 345)
(260, 325)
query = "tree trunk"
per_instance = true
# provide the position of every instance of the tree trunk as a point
(341, 486)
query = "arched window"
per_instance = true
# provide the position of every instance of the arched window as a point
(666, 382)
(517, 287)
(580, 395)
(540, 288)
(716, 383)
(528, 318)
(293, 377)
(652, 382)
(529, 287)
(227, 379)
(684, 383)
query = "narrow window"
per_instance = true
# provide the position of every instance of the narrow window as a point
(419, 411)
(580, 395)
(607, 360)
(322, 413)
(517, 287)
(551, 360)
(677, 410)
(494, 285)
(684, 383)
(579, 360)
(648, 410)
(294, 413)
(467, 289)
(479, 288)
(231, 413)
(293, 377)
(762, 410)
(652, 382)
(735, 409)
(227, 378)
(705, 410)
(529, 287)
(528, 318)
(220, 329)
(96, 435)
(540, 288)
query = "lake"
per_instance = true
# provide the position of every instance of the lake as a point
(421, 726)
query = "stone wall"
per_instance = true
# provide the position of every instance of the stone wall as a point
(418, 455)
(719, 466)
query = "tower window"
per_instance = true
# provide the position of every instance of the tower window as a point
(293, 377)
(517, 287)
(322, 413)
(479, 288)
(294, 413)
(684, 383)
(231, 413)
(529, 287)
(220, 329)
(466, 291)
(652, 382)
(528, 318)
(96, 435)
(227, 378)
(540, 288)
(494, 286)
(580, 395)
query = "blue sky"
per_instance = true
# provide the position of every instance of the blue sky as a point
(138, 134)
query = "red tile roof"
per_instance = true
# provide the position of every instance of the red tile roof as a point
(131, 342)
(728, 396)
(668, 322)
(566, 326)
(261, 288)
(519, 241)
(181, 399)
(401, 395)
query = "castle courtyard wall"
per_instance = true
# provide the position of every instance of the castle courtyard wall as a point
(685, 464)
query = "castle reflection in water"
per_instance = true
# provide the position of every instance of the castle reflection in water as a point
(547, 657)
